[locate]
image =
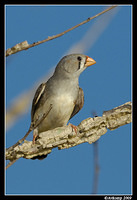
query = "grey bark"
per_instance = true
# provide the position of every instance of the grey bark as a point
(89, 130)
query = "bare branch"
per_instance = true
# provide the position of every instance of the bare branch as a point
(96, 162)
(32, 127)
(11, 163)
(89, 130)
(96, 168)
(24, 45)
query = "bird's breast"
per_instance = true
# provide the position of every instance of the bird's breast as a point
(62, 108)
(64, 105)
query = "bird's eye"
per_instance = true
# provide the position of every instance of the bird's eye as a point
(79, 58)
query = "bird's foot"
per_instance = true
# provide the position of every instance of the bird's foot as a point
(75, 128)
(34, 138)
(35, 134)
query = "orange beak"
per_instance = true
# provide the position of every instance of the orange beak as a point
(89, 61)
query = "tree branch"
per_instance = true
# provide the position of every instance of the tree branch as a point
(24, 45)
(89, 130)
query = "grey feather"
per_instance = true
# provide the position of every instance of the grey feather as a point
(79, 102)
(36, 100)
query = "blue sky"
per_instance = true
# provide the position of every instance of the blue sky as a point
(106, 85)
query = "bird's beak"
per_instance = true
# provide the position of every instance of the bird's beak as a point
(89, 61)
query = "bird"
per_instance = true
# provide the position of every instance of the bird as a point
(63, 92)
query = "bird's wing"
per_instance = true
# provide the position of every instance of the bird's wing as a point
(36, 100)
(79, 103)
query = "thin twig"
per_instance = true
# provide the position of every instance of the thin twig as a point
(24, 45)
(32, 127)
(11, 163)
(96, 162)
(96, 168)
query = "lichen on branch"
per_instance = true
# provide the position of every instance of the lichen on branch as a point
(89, 130)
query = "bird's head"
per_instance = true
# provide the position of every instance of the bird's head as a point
(73, 65)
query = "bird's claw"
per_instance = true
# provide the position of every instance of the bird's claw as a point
(75, 128)
(34, 138)
(35, 134)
